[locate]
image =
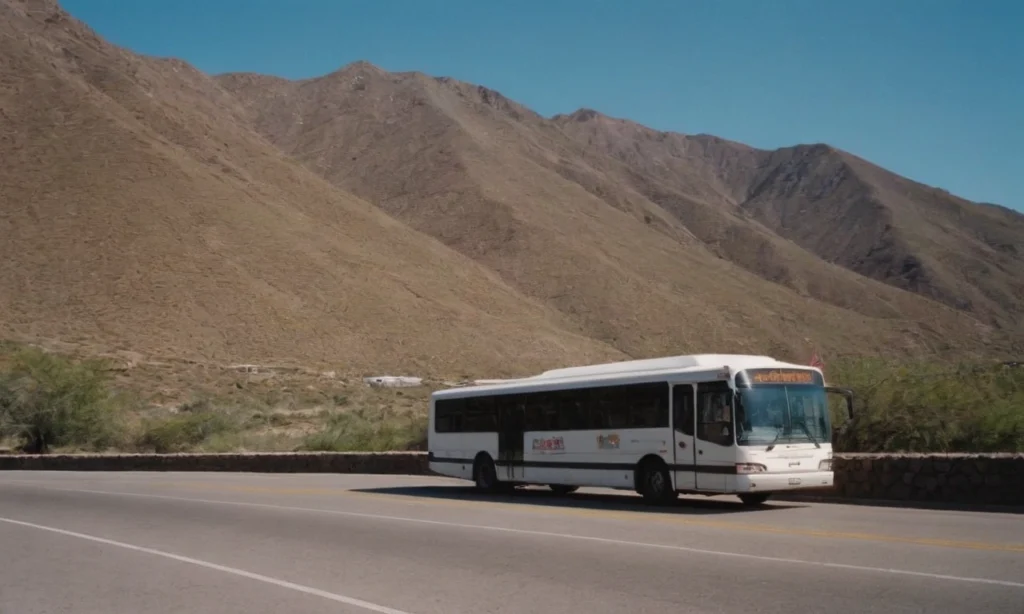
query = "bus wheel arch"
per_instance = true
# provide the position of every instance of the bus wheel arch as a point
(754, 499)
(653, 481)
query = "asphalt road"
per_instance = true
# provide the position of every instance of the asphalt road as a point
(111, 543)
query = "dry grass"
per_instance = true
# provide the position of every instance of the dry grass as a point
(222, 409)
(281, 413)
(169, 408)
(920, 407)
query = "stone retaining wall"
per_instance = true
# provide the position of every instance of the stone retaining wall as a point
(305, 462)
(938, 478)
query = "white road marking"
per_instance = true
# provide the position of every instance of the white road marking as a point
(359, 603)
(603, 540)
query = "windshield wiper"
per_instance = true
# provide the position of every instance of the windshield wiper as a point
(809, 436)
(778, 433)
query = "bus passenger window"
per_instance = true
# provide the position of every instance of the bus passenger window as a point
(715, 417)
(682, 410)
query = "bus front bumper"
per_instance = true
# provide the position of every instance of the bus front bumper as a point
(770, 482)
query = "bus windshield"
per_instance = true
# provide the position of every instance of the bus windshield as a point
(776, 406)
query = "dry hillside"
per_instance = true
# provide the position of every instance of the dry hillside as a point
(837, 206)
(653, 242)
(368, 221)
(140, 212)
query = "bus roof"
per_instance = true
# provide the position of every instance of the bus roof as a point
(651, 367)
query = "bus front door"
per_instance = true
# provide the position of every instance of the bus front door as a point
(716, 451)
(511, 435)
(683, 425)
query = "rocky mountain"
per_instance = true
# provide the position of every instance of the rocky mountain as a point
(839, 207)
(368, 220)
(653, 241)
(140, 212)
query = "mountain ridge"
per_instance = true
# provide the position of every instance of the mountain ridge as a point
(871, 187)
(407, 105)
(141, 214)
(371, 221)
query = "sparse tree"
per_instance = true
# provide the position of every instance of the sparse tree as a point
(47, 400)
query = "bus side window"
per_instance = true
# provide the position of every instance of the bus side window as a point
(536, 419)
(456, 415)
(597, 416)
(714, 415)
(442, 416)
(649, 406)
(480, 415)
(682, 416)
(449, 415)
(568, 410)
(616, 403)
(541, 411)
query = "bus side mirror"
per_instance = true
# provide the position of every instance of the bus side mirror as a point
(840, 436)
(847, 394)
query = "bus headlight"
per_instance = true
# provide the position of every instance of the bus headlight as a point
(746, 468)
(825, 465)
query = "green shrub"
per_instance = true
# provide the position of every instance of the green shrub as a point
(243, 441)
(363, 431)
(48, 401)
(926, 407)
(194, 424)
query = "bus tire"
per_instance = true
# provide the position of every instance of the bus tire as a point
(562, 489)
(654, 482)
(485, 476)
(750, 499)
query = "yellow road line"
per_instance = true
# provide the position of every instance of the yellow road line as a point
(640, 514)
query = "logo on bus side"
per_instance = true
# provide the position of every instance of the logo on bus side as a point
(549, 444)
(608, 442)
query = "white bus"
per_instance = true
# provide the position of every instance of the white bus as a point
(702, 424)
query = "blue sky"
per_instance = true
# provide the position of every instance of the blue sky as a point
(932, 89)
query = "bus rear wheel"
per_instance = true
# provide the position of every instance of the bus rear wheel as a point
(655, 484)
(485, 476)
(751, 499)
(562, 489)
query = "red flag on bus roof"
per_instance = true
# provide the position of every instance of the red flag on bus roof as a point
(816, 361)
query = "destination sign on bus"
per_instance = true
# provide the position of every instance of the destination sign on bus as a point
(783, 376)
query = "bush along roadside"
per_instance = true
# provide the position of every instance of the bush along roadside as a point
(49, 402)
(362, 431)
(926, 407)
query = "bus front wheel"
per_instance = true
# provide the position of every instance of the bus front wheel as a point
(562, 489)
(655, 483)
